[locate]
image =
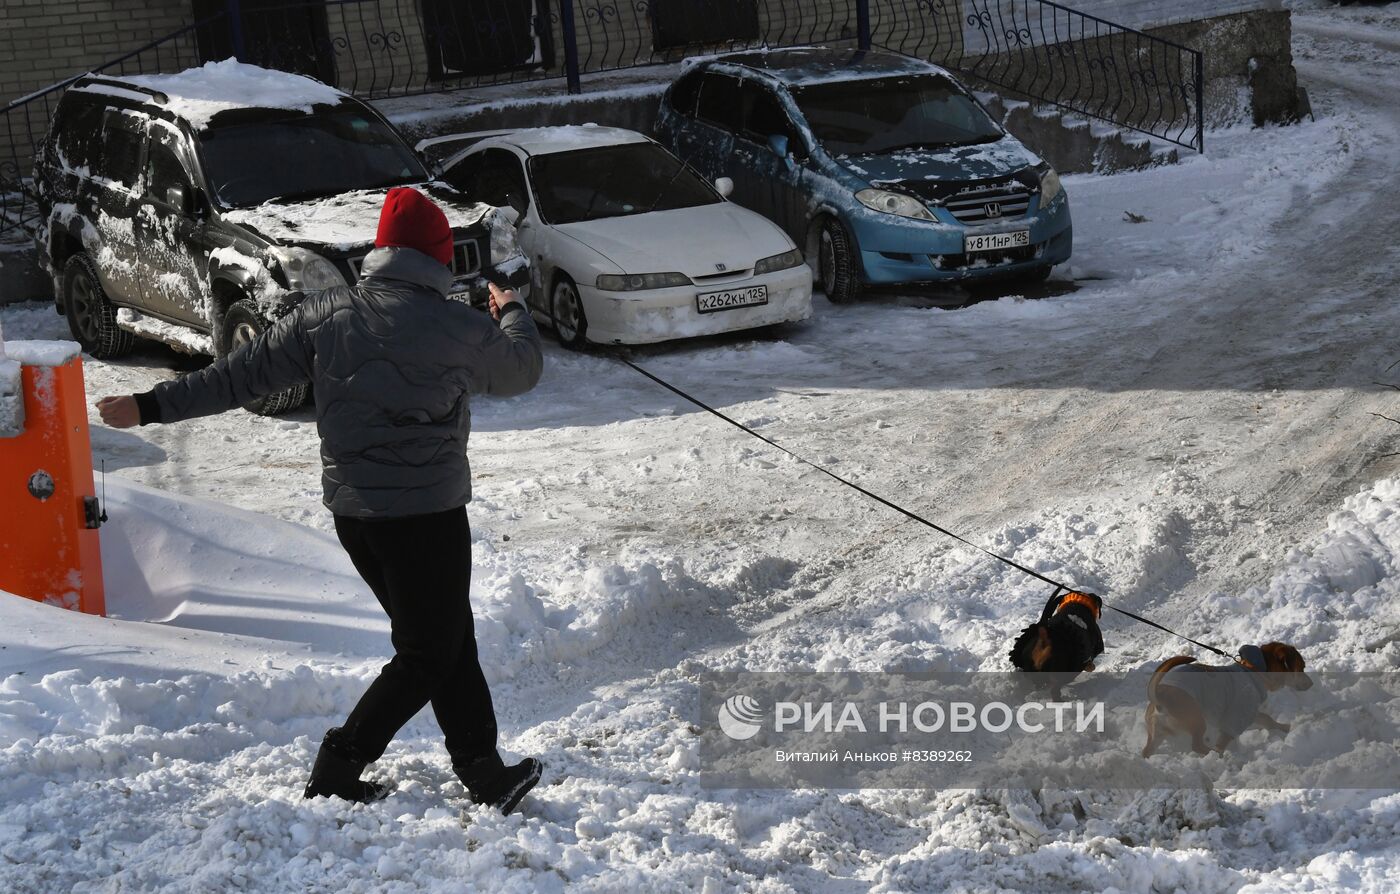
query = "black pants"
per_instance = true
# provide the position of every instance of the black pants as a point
(420, 570)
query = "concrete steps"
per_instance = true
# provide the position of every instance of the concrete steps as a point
(1075, 144)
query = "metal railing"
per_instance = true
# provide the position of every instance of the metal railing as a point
(1053, 54)
(379, 48)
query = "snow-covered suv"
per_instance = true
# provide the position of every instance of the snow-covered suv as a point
(197, 208)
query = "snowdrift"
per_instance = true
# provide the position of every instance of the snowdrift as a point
(177, 739)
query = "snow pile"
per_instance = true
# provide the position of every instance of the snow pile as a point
(182, 338)
(11, 397)
(1341, 589)
(198, 94)
(11, 393)
(177, 727)
(42, 352)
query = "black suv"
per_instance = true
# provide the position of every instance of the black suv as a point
(197, 208)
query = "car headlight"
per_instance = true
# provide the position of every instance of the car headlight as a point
(778, 262)
(306, 271)
(897, 203)
(1050, 186)
(635, 282)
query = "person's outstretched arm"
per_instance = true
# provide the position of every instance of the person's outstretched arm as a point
(512, 356)
(278, 359)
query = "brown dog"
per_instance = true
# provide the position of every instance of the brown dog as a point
(1185, 697)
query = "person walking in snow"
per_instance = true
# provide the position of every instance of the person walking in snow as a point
(392, 361)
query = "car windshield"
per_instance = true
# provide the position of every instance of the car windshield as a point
(614, 181)
(868, 117)
(306, 157)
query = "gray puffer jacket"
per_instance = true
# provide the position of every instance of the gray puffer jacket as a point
(393, 362)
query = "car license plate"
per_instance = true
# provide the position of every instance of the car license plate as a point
(710, 302)
(997, 241)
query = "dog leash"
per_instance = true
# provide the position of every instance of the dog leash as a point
(1221, 652)
(846, 481)
(913, 516)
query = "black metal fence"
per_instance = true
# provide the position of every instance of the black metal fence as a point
(1053, 54)
(378, 48)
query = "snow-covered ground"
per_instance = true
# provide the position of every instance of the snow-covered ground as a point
(1183, 422)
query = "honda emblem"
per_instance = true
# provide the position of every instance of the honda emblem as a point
(993, 209)
(721, 267)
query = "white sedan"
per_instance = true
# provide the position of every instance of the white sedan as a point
(627, 245)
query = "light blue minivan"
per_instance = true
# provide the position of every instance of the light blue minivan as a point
(883, 167)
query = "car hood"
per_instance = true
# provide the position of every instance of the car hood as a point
(693, 241)
(984, 161)
(346, 221)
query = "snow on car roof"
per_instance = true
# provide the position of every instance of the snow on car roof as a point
(198, 94)
(811, 65)
(544, 140)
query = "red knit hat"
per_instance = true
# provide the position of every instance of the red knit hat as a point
(411, 220)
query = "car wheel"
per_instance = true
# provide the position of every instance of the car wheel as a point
(243, 323)
(566, 309)
(92, 317)
(836, 263)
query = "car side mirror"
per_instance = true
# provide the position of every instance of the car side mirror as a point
(176, 198)
(434, 165)
(197, 205)
(724, 186)
(783, 149)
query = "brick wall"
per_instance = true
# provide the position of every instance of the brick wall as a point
(43, 41)
(46, 41)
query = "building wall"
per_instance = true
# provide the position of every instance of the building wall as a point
(377, 48)
(44, 41)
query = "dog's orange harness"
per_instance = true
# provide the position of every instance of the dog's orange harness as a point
(1083, 599)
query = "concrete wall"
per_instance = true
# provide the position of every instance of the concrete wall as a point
(1145, 14)
(1249, 72)
(1112, 73)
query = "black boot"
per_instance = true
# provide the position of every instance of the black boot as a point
(488, 781)
(336, 774)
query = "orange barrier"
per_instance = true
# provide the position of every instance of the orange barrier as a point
(48, 508)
